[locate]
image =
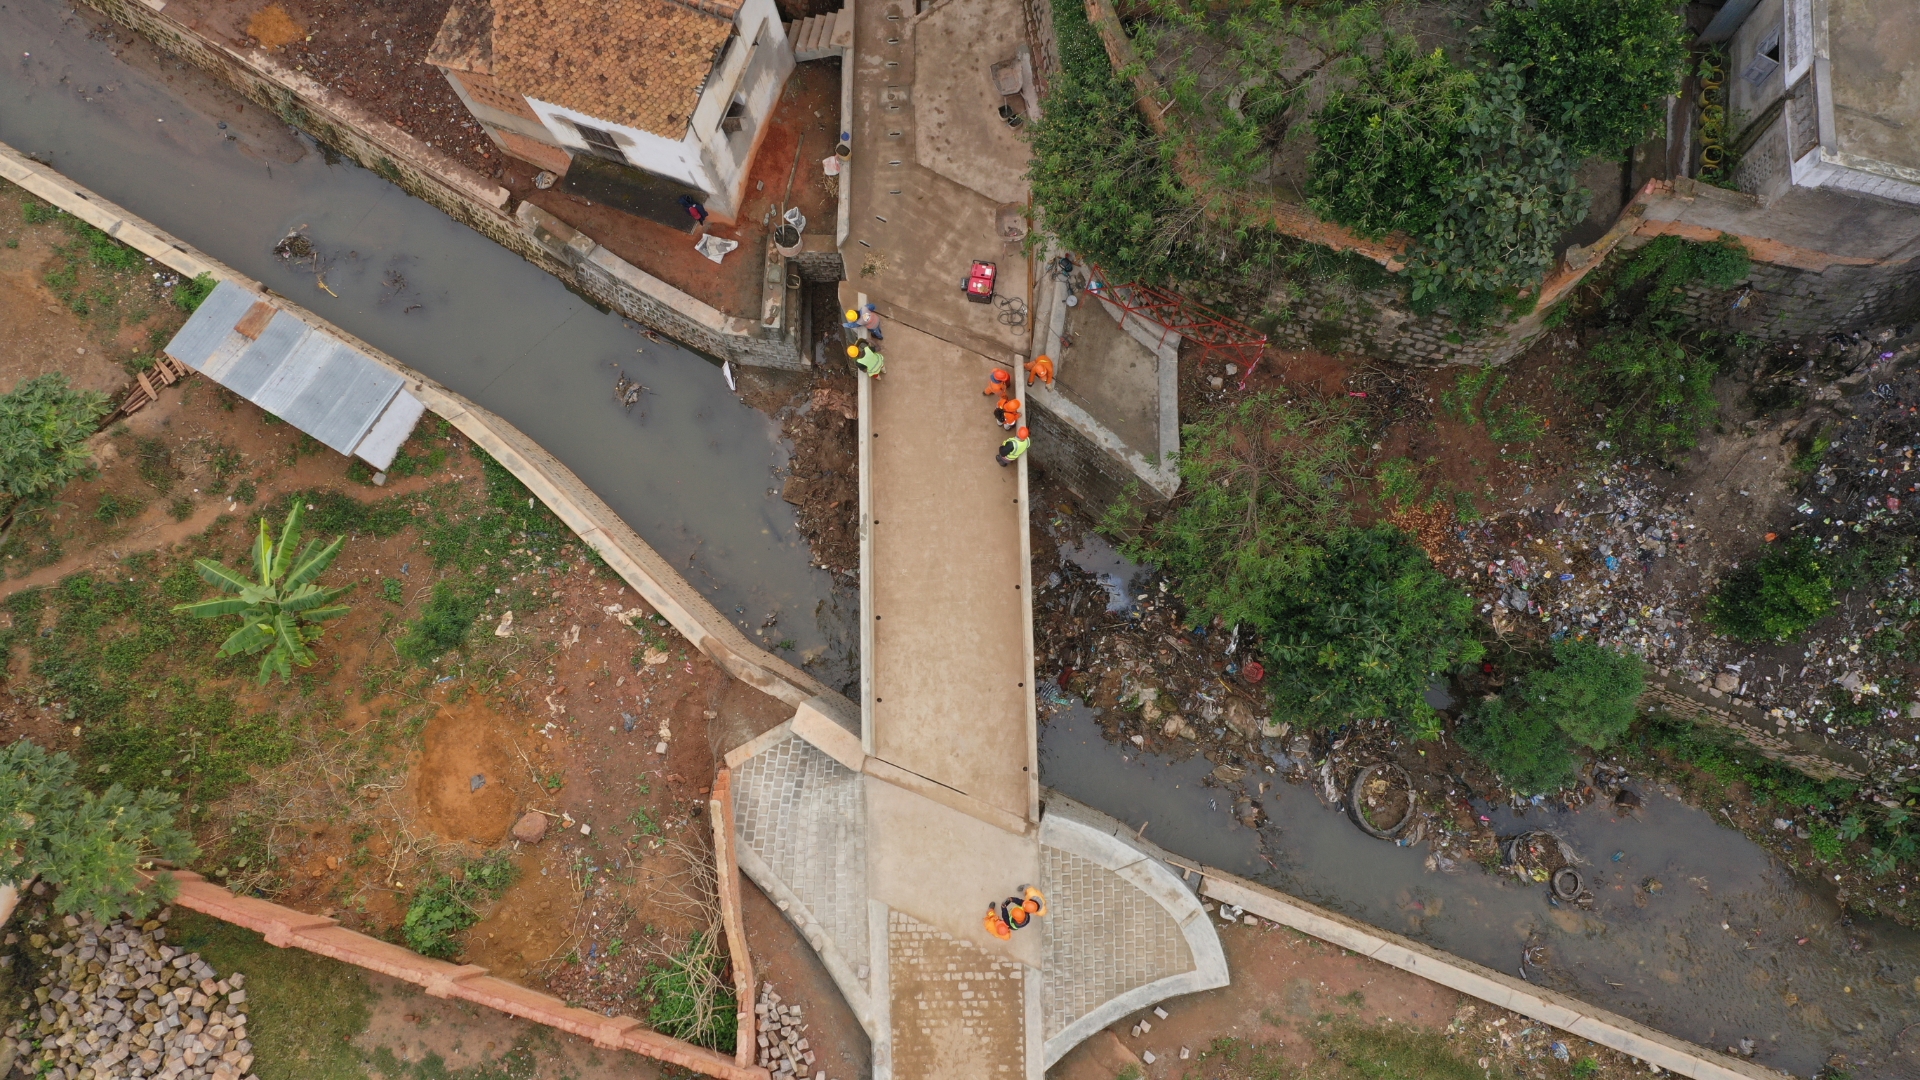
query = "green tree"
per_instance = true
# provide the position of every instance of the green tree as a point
(1775, 598)
(87, 845)
(1364, 632)
(1598, 72)
(280, 606)
(1521, 745)
(1384, 149)
(1658, 390)
(44, 427)
(1590, 692)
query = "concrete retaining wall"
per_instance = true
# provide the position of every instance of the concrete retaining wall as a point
(420, 170)
(286, 928)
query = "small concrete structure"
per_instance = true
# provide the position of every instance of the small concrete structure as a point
(301, 373)
(675, 93)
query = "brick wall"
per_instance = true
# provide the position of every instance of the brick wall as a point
(1077, 462)
(428, 174)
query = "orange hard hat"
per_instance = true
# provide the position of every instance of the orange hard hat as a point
(1022, 432)
(999, 376)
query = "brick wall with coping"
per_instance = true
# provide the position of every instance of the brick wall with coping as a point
(727, 875)
(437, 178)
(284, 927)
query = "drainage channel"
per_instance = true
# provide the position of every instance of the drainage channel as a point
(690, 466)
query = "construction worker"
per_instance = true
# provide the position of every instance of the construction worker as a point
(996, 925)
(1040, 367)
(1015, 913)
(1012, 449)
(1033, 899)
(868, 358)
(870, 319)
(1007, 411)
(1000, 385)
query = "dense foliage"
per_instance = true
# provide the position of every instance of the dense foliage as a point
(1385, 146)
(1589, 692)
(44, 427)
(1262, 483)
(443, 909)
(1775, 598)
(1521, 745)
(88, 846)
(1657, 390)
(1364, 631)
(1669, 264)
(280, 607)
(1598, 72)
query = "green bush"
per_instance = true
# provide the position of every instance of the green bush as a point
(443, 909)
(1672, 263)
(1521, 745)
(1262, 484)
(1598, 72)
(1658, 392)
(442, 626)
(1775, 598)
(690, 999)
(279, 604)
(1590, 692)
(44, 427)
(1364, 631)
(1385, 147)
(188, 295)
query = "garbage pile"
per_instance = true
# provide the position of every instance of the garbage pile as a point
(117, 1001)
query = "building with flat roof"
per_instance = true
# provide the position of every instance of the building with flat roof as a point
(674, 93)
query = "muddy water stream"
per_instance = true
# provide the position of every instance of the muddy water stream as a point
(1695, 930)
(1728, 947)
(689, 467)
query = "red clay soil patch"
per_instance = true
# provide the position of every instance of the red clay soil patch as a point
(784, 961)
(465, 784)
(273, 28)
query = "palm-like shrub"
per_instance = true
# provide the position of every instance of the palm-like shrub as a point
(280, 607)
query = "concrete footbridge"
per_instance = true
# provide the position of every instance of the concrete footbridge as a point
(885, 835)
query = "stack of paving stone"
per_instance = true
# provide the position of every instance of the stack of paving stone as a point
(117, 1003)
(784, 1050)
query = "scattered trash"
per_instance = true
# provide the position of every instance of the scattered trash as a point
(714, 247)
(627, 392)
(543, 180)
(726, 372)
(505, 629)
(479, 781)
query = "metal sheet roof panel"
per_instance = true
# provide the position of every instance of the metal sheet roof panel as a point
(210, 324)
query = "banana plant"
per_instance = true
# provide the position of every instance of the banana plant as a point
(280, 606)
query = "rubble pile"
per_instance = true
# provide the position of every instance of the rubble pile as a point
(783, 1047)
(116, 1001)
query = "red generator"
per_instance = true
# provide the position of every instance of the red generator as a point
(980, 283)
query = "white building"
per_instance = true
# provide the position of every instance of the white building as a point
(678, 89)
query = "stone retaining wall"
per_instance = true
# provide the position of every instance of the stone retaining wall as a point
(1783, 303)
(1743, 721)
(422, 171)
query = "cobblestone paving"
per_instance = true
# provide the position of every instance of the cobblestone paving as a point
(958, 1013)
(1104, 936)
(804, 814)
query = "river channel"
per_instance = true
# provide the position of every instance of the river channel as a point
(1730, 947)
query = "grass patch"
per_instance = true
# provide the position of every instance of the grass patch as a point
(303, 1009)
(1346, 1050)
(445, 907)
(690, 1000)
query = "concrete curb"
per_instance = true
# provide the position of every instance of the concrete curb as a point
(284, 927)
(553, 483)
(727, 879)
(1566, 1013)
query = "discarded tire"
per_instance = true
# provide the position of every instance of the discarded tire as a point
(1566, 884)
(1355, 801)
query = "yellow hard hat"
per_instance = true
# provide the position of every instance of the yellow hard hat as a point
(852, 315)
(853, 351)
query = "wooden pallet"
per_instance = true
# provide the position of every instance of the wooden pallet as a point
(147, 384)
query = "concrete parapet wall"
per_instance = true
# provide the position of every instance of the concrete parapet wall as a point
(1566, 1013)
(420, 170)
(727, 875)
(286, 928)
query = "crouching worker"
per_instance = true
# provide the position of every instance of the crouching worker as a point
(868, 358)
(1012, 449)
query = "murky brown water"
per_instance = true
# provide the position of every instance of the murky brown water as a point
(690, 467)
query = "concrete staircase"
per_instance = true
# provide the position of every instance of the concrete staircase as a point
(820, 36)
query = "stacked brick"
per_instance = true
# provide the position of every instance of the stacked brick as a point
(784, 1049)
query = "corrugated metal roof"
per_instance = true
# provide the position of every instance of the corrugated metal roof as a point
(300, 373)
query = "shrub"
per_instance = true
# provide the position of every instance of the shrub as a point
(1521, 745)
(44, 427)
(1590, 692)
(442, 626)
(1775, 598)
(86, 845)
(1364, 631)
(443, 909)
(280, 607)
(690, 999)
(1658, 391)
(1672, 263)
(1598, 72)
(1262, 485)
(1384, 148)
(188, 295)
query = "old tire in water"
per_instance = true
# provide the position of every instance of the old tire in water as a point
(1359, 815)
(1566, 884)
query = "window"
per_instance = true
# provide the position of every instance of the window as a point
(1766, 59)
(600, 141)
(731, 122)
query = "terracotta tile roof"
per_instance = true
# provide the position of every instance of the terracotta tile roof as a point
(465, 40)
(638, 63)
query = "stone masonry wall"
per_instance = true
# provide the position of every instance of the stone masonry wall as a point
(1785, 303)
(436, 178)
(1335, 316)
(1073, 459)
